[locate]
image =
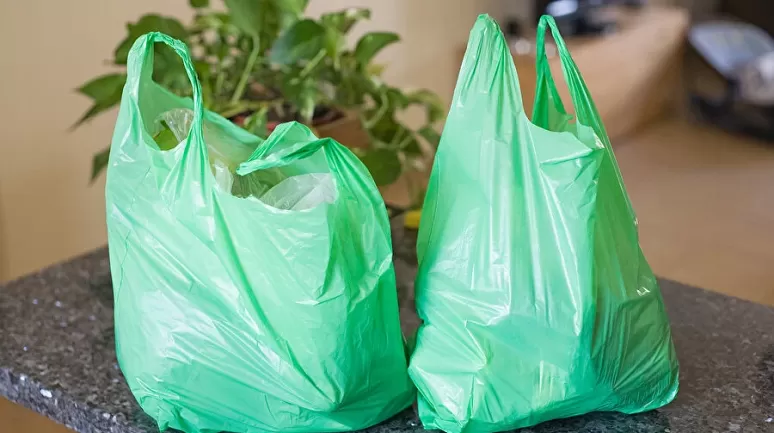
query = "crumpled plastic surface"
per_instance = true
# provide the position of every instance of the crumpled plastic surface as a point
(536, 299)
(299, 192)
(234, 315)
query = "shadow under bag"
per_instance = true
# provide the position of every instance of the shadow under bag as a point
(536, 299)
(253, 279)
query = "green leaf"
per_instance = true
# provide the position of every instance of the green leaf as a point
(344, 20)
(432, 103)
(376, 69)
(199, 3)
(397, 99)
(217, 21)
(168, 71)
(430, 135)
(146, 24)
(306, 100)
(165, 138)
(334, 42)
(265, 19)
(254, 17)
(351, 88)
(371, 43)
(93, 111)
(411, 146)
(99, 162)
(384, 165)
(106, 93)
(104, 88)
(388, 130)
(301, 41)
(300, 93)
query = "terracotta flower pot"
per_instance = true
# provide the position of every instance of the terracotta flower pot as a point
(347, 130)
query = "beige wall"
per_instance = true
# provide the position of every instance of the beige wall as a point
(48, 210)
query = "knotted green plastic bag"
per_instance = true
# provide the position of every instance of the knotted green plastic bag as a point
(233, 314)
(536, 299)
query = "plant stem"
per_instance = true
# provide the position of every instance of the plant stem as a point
(370, 123)
(312, 63)
(397, 139)
(219, 80)
(405, 141)
(241, 107)
(221, 75)
(240, 88)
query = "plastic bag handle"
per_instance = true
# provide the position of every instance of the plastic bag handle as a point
(585, 109)
(263, 158)
(545, 79)
(579, 93)
(140, 68)
(288, 158)
(487, 63)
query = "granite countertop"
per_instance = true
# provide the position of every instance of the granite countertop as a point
(57, 357)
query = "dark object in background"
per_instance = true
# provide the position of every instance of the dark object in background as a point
(757, 12)
(581, 17)
(576, 17)
(513, 28)
(743, 55)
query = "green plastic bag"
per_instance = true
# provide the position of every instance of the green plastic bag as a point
(536, 300)
(233, 315)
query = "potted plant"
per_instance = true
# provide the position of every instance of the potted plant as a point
(262, 62)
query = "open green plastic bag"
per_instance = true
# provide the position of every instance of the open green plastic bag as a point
(232, 314)
(536, 299)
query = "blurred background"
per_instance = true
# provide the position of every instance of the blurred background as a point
(695, 154)
(685, 89)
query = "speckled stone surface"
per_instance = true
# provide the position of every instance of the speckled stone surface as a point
(57, 357)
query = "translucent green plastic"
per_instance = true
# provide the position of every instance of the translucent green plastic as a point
(536, 299)
(234, 315)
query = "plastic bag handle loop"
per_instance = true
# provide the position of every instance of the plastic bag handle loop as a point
(585, 109)
(140, 68)
(340, 160)
(487, 63)
(287, 158)
(579, 94)
(263, 158)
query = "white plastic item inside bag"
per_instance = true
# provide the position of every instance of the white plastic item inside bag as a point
(302, 192)
(273, 187)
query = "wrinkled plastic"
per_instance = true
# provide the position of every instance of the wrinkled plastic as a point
(300, 192)
(536, 299)
(234, 315)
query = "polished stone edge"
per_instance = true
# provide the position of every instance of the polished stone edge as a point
(60, 407)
